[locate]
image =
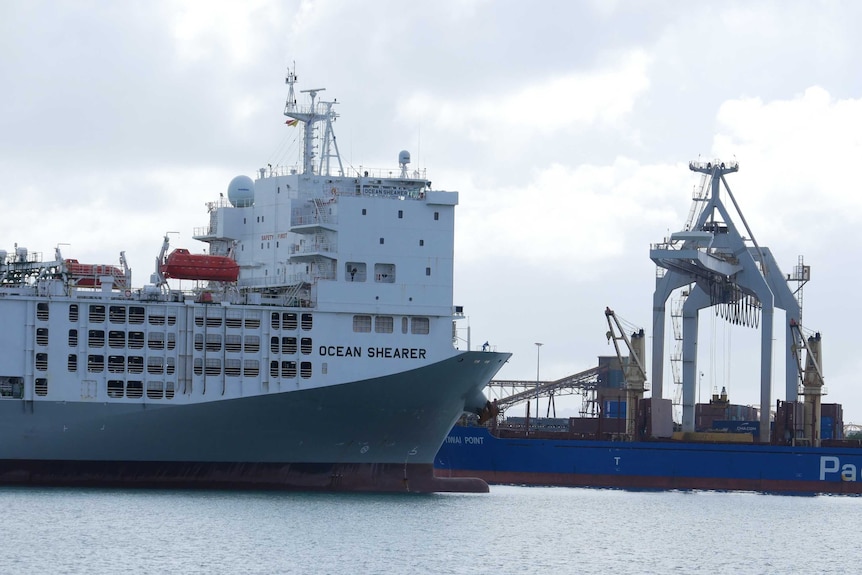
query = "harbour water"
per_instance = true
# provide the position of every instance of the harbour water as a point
(511, 530)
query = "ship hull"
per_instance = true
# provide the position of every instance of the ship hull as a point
(377, 434)
(661, 465)
(358, 477)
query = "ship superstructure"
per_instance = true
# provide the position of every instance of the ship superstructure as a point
(314, 348)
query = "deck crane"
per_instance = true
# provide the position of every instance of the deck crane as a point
(812, 388)
(633, 368)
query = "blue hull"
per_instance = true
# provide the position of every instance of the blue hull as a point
(474, 452)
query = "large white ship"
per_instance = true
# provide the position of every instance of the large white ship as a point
(315, 350)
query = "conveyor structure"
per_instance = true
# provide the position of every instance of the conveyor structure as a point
(584, 383)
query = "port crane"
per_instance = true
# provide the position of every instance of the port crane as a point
(811, 387)
(633, 368)
(725, 270)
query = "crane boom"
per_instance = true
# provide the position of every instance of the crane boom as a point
(634, 371)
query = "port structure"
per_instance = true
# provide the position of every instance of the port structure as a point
(632, 365)
(811, 386)
(513, 392)
(720, 268)
(586, 383)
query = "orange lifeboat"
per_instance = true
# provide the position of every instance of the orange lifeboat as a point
(90, 275)
(182, 265)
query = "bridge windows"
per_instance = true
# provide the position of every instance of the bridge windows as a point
(384, 273)
(355, 271)
(420, 325)
(383, 324)
(362, 323)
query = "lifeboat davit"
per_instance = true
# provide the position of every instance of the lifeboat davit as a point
(182, 265)
(90, 275)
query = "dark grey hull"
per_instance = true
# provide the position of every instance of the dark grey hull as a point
(376, 435)
(376, 477)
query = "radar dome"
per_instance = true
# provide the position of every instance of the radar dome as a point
(240, 192)
(403, 157)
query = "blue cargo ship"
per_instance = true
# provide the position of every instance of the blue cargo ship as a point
(543, 459)
(633, 441)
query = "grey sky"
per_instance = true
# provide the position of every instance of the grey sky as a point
(566, 126)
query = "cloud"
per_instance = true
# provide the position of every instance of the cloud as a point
(584, 214)
(602, 97)
(233, 33)
(798, 158)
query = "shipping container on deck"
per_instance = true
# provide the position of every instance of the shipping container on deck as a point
(827, 430)
(835, 412)
(610, 373)
(655, 418)
(594, 427)
(729, 426)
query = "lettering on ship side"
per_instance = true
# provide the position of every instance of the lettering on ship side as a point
(397, 352)
(830, 464)
(340, 351)
(381, 352)
(468, 439)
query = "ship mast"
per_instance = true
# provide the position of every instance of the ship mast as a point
(309, 117)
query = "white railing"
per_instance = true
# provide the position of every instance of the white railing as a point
(381, 173)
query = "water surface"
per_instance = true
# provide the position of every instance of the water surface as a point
(510, 530)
